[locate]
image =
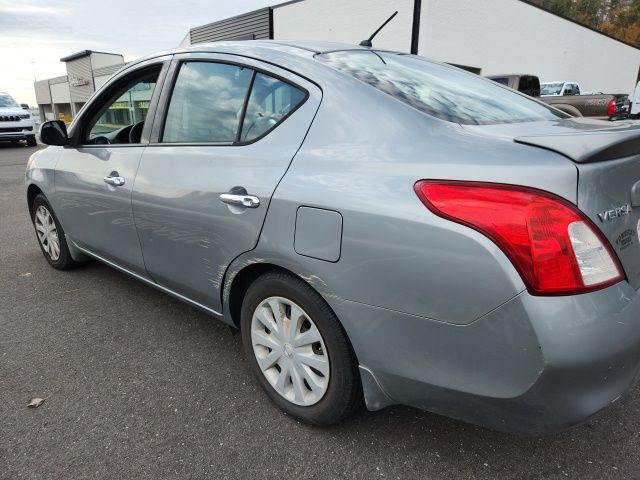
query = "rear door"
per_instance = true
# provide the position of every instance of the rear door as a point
(224, 136)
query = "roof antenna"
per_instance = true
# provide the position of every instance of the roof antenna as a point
(367, 42)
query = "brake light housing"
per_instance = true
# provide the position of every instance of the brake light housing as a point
(611, 108)
(554, 247)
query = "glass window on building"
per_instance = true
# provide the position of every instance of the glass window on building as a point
(129, 109)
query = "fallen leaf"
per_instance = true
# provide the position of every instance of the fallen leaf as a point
(35, 402)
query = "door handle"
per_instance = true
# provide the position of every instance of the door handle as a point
(247, 201)
(114, 179)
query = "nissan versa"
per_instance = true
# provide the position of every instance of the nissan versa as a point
(380, 227)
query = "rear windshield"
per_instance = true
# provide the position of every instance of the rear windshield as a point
(439, 90)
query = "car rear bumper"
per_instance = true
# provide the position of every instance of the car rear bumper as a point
(535, 365)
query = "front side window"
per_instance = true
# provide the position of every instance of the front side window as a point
(123, 118)
(207, 103)
(270, 101)
(439, 90)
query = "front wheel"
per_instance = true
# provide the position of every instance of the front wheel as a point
(31, 141)
(51, 238)
(299, 351)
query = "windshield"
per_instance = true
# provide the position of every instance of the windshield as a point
(439, 90)
(551, 88)
(7, 101)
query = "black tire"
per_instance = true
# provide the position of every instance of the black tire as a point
(31, 141)
(64, 260)
(344, 392)
(15, 142)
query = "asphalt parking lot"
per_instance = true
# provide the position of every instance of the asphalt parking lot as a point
(139, 385)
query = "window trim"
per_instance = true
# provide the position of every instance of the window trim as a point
(90, 113)
(172, 79)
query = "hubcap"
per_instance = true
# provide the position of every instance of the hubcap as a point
(290, 351)
(47, 233)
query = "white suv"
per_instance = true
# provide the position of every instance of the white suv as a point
(16, 123)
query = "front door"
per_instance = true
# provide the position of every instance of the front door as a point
(94, 178)
(228, 133)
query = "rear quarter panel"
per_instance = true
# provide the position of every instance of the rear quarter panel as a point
(361, 158)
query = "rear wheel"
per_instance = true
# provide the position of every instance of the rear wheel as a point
(50, 235)
(299, 351)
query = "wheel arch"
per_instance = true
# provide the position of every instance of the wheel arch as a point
(242, 273)
(238, 283)
(240, 277)
(570, 109)
(32, 192)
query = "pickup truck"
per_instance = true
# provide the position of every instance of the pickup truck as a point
(604, 106)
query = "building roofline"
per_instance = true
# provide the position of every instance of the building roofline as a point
(85, 53)
(284, 4)
(540, 7)
(235, 17)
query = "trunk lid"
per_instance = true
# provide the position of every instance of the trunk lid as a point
(607, 156)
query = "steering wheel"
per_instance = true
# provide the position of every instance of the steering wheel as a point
(135, 132)
(101, 141)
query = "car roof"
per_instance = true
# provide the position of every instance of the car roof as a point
(511, 75)
(272, 50)
(310, 46)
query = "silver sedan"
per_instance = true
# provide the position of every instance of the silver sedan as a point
(381, 228)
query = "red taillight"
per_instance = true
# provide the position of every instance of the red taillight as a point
(611, 108)
(554, 247)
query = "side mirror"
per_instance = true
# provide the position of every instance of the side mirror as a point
(24, 106)
(53, 132)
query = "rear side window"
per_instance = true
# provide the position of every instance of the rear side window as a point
(207, 103)
(439, 90)
(529, 85)
(270, 102)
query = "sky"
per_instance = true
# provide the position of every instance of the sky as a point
(36, 34)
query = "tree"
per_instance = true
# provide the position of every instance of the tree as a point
(618, 18)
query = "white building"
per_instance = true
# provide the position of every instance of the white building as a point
(62, 97)
(487, 37)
